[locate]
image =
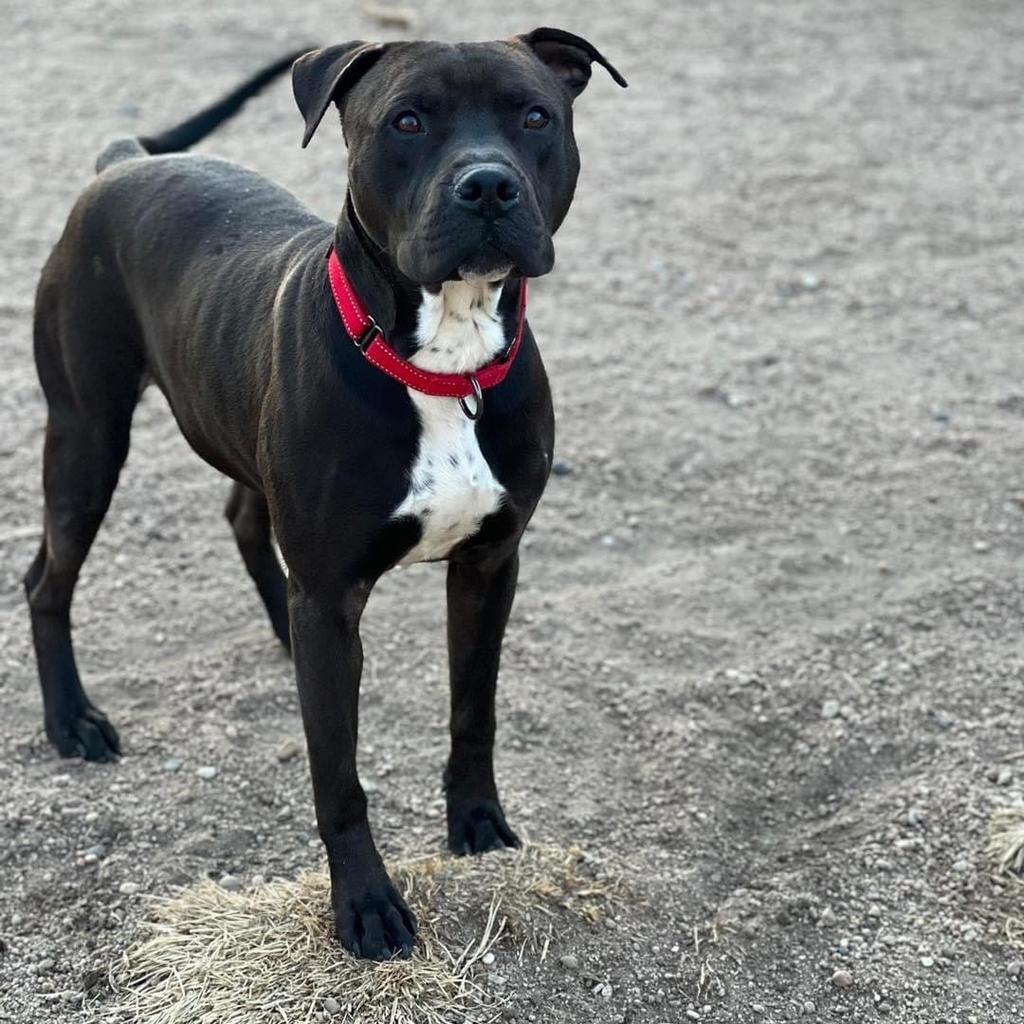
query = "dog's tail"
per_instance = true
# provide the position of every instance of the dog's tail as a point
(197, 127)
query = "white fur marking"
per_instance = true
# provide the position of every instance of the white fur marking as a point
(451, 486)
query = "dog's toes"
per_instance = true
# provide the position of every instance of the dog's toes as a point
(88, 735)
(479, 827)
(376, 925)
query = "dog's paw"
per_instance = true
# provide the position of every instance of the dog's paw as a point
(374, 922)
(85, 733)
(476, 827)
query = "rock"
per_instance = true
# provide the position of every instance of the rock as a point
(487, 958)
(287, 749)
(1004, 776)
(915, 816)
(1015, 968)
(231, 883)
(602, 989)
(94, 853)
(332, 1006)
(830, 709)
(809, 1008)
(927, 961)
(569, 962)
(842, 979)
(562, 467)
(172, 764)
(207, 771)
(828, 918)
(128, 888)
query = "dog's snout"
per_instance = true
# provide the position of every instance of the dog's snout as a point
(489, 190)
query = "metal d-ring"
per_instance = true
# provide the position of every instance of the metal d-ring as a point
(478, 398)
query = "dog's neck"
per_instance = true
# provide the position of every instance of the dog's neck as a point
(454, 328)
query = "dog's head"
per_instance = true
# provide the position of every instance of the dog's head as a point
(462, 161)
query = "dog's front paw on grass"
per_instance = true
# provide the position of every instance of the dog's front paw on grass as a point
(374, 922)
(477, 827)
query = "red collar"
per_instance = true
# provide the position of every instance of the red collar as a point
(369, 338)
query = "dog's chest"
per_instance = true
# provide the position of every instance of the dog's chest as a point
(451, 486)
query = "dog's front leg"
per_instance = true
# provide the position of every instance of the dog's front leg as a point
(371, 918)
(480, 594)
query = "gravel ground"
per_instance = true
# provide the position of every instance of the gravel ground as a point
(767, 650)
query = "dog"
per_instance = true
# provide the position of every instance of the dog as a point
(371, 387)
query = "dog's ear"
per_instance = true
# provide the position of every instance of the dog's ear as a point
(320, 76)
(568, 56)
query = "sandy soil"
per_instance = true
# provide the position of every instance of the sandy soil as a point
(767, 649)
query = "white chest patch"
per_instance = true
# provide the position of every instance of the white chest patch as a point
(451, 486)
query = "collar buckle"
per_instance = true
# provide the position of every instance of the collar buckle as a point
(369, 336)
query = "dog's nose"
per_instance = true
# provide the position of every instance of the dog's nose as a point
(489, 190)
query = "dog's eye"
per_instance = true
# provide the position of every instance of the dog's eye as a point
(537, 118)
(408, 123)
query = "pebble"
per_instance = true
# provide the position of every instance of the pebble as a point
(602, 989)
(1015, 968)
(128, 888)
(172, 764)
(692, 1015)
(562, 467)
(842, 979)
(809, 1008)
(488, 959)
(231, 883)
(828, 918)
(1004, 777)
(94, 853)
(830, 709)
(287, 749)
(332, 1006)
(927, 961)
(569, 962)
(207, 771)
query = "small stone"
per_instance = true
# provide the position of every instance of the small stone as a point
(842, 979)
(982, 546)
(99, 851)
(562, 467)
(172, 764)
(602, 989)
(692, 1015)
(810, 282)
(828, 918)
(331, 1006)
(128, 888)
(207, 771)
(874, 910)
(569, 962)
(915, 816)
(231, 883)
(830, 709)
(1004, 776)
(757, 1007)
(809, 1008)
(487, 958)
(927, 961)
(287, 749)
(1015, 968)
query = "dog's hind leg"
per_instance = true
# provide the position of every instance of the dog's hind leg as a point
(91, 384)
(249, 516)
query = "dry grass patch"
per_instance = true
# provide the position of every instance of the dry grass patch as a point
(268, 954)
(1005, 848)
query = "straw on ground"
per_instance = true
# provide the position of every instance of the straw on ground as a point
(209, 956)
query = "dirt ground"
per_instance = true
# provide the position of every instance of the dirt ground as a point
(767, 650)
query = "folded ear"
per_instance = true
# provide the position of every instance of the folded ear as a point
(569, 57)
(320, 76)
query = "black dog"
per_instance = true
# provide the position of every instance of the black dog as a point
(209, 280)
